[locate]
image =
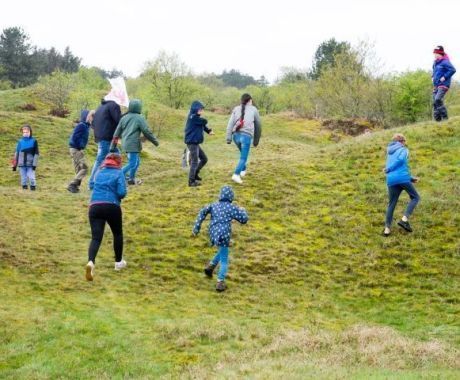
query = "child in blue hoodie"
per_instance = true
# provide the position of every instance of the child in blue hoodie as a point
(26, 158)
(77, 144)
(399, 179)
(220, 231)
(443, 71)
(193, 138)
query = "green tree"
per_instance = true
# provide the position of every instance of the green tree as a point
(325, 56)
(56, 90)
(234, 78)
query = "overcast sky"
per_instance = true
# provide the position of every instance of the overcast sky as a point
(255, 37)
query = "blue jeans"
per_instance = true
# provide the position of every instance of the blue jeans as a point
(222, 258)
(393, 193)
(243, 142)
(134, 160)
(27, 173)
(102, 151)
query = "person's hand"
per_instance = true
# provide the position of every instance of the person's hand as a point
(415, 179)
(442, 79)
(34, 167)
(229, 141)
(195, 233)
(211, 133)
(14, 168)
(384, 170)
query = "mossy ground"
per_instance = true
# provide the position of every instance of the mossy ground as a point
(314, 289)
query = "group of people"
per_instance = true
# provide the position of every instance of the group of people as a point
(108, 180)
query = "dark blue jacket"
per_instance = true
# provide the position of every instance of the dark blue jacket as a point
(109, 186)
(195, 125)
(443, 68)
(105, 120)
(79, 137)
(397, 166)
(222, 214)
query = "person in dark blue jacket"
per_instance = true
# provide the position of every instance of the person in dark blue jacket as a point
(77, 144)
(193, 138)
(26, 157)
(220, 231)
(443, 71)
(109, 188)
(105, 121)
(399, 179)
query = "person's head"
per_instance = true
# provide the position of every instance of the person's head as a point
(197, 108)
(26, 130)
(226, 194)
(398, 137)
(112, 160)
(439, 52)
(135, 106)
(246, 99)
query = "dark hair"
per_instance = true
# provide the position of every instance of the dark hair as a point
(245, 98)
(28, 127)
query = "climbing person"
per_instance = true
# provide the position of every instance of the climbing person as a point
(26, 158)
(443, 70)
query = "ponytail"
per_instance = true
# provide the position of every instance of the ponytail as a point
(245, 98)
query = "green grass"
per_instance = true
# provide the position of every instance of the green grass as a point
(314, 290)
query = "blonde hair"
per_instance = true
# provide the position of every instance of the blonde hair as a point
(399, 137)
(90, 116)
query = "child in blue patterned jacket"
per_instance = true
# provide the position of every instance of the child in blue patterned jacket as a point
(220, 231)
(26, 157)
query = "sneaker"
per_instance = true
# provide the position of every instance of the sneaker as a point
(236, 178)
(90, 271)
(386, 234)
(73, 188)
(134, 181)
(209, 270)
(221, 286)
(405, 225)
(33, 188)
(243, 173)
(194, 184)
(120, 265)
(24, 187)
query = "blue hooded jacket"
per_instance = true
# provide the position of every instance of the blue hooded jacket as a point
(443, 68)
(79, 137)
(109, 185)
(222, 214)
(195, 125)
(397, 166)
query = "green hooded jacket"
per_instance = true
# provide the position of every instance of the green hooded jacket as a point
(130, 127)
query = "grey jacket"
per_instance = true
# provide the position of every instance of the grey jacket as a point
(252, 125)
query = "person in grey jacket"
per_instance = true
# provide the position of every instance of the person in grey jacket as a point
(245, 127)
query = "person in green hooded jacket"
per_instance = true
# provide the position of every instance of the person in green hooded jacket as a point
(129, 129)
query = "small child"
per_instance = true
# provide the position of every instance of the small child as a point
(129, 129)
(220, 231)
(77, 143)
(26, 157)
(193, 138)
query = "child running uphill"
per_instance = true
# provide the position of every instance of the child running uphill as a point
(26, 157)
(129, 129)
(193, 138)
(220, 231)
(77, 144)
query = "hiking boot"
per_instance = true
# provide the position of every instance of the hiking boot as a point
(405, 225)
(73, 188)
(208, 271)
(221, 286)
(24, 187)
(197, 178)
(120, 265)
(135, 181)
(33, 188)
(194, 184)
(90, 271)
(236, 178)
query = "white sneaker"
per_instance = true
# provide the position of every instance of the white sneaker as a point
(120, 265)
(236, 178)
(243, 173)
(90, 271)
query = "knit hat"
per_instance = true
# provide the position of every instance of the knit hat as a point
(112, 160)
(439, 50)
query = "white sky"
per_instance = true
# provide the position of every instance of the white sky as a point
(253, 36)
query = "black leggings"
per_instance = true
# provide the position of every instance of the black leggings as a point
(98, 215)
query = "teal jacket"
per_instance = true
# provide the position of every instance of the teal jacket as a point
(129, 130)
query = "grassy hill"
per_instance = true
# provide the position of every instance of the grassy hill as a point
(314, 290)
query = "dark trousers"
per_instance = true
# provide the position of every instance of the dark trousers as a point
(439, 109)
(393, 193)
(198, 159)
(99, 215)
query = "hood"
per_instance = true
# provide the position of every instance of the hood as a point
(112, 160)
(135, 106)
(84, 116)
(226, 194)
(30, 129)
(444, 57)
(394, 146)
(195, 107)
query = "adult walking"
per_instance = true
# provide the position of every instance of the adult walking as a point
(399, 179)
(245, 128)
(109, 189)
(443, 71)
(105, 122)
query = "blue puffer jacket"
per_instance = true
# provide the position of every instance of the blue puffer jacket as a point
(443, 68)
(397, 166)
(109, 186)
(222, 214)
(79, 137)
(195, 125)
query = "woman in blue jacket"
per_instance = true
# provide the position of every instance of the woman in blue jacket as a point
(109, 188)
(399, 179)
(443, 71)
